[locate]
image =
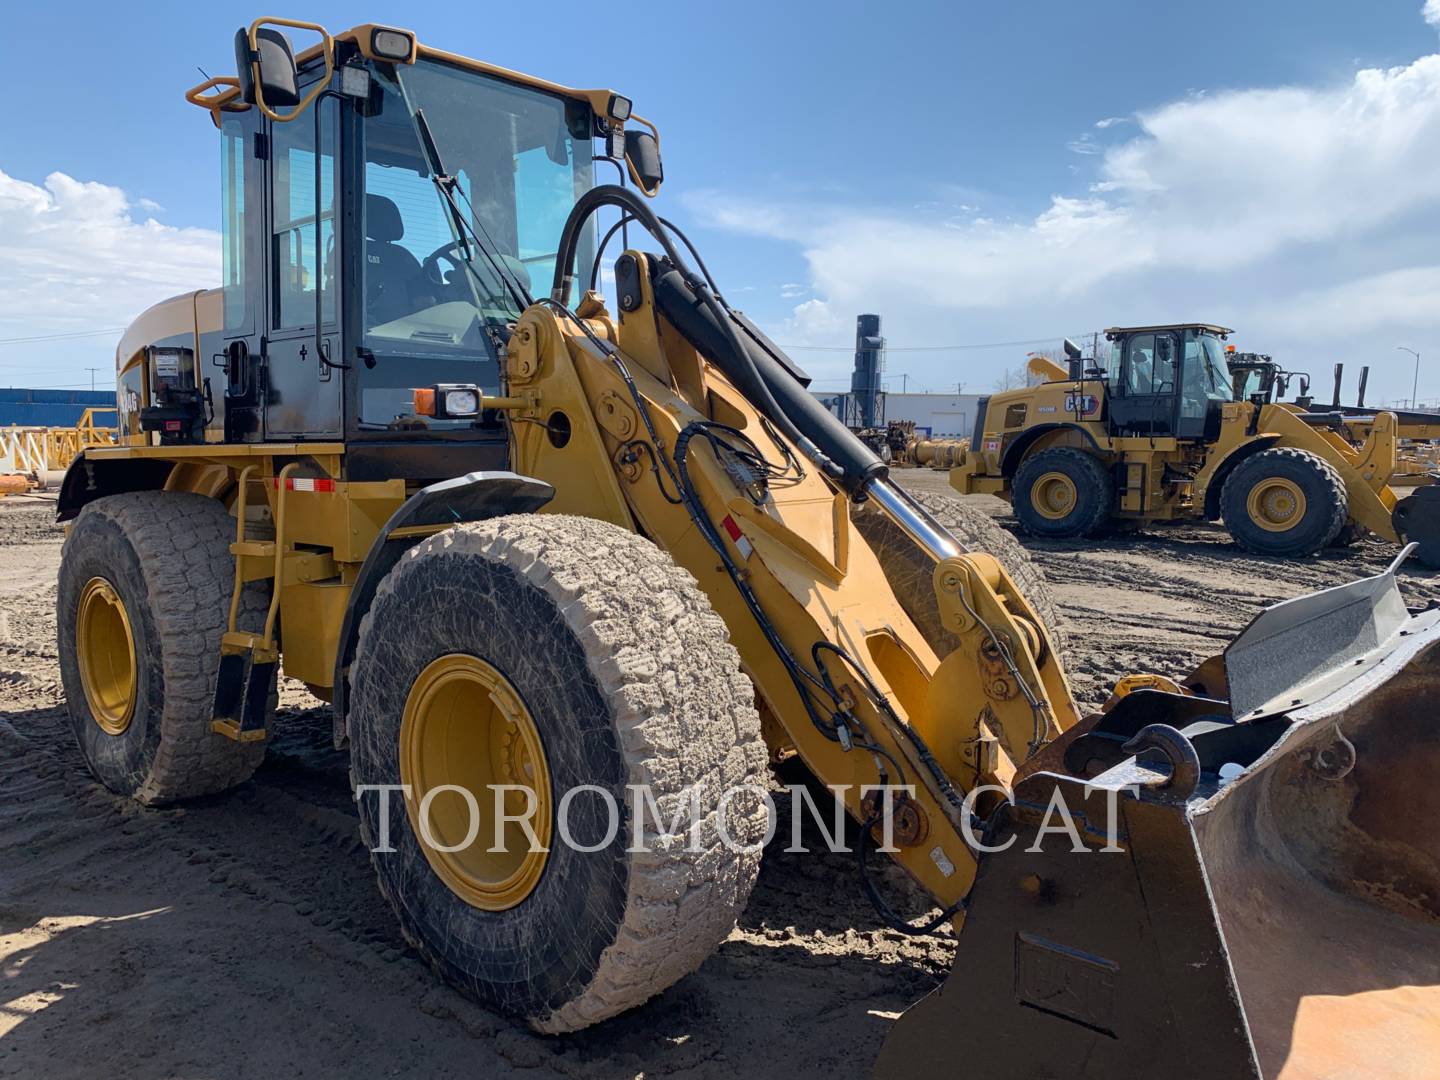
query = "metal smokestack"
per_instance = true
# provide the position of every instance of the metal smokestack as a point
(867, 400)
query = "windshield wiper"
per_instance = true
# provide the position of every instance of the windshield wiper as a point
(448, 185)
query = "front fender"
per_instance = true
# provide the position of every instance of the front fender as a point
(1209, 489)
(472, 497)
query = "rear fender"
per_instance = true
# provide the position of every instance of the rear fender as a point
(1017, 451)
(88, 479)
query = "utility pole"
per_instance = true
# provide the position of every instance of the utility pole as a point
(92, 371)
(1415, 389)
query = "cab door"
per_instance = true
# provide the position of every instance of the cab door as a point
(235, 353)
(1144, 397)
(303, 393)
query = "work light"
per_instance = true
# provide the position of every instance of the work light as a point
(392, 45)
(619, 108)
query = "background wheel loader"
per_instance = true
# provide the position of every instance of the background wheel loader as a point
(536, 548)
(1167, 432)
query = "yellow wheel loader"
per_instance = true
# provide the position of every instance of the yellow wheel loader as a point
(572, 575)
(1166, 431)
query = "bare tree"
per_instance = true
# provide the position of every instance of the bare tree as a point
(1011, 378)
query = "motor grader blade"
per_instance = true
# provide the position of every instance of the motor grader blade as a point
(1263, 900)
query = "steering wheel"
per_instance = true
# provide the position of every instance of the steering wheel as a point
(450, 252)
(454, 254)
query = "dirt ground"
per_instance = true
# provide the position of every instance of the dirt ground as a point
(243, 935)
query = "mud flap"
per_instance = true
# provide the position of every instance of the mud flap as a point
(1266, 904)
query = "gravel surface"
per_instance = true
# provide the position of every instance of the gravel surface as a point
(243, 934)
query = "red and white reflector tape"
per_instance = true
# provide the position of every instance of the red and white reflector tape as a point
(741, 544)
(303, 483)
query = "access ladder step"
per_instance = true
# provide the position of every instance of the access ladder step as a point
(242, 687)
(257, 549)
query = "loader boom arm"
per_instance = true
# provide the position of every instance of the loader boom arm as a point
(666, 441)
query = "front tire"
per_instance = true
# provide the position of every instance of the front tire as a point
(143, 599)
(608, 663)
(1284, 502)
(1062, 493)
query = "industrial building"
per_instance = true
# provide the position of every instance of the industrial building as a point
(20, 407)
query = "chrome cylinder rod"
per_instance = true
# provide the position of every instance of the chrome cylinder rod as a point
(913, 520)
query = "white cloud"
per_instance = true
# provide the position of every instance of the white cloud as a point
(1111, 121)
(1085, 144)
(1395, 301)
(1431, 12)
(1249, 202)
(793, 290)
(75, 256)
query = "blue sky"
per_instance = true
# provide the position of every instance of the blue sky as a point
(1263, 165)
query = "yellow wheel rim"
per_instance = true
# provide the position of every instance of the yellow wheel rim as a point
(105, 648)
(1054, 496)
(1276, 504)
(465, 726)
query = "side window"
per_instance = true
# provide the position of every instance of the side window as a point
(233, 144)
(1140, 364)
(302, 241)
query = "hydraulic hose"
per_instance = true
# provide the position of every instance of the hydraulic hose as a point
(764, 379)
(797, 420)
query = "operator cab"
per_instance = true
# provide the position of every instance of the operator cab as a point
(1257, 378)
(389, 211)
(1167, 380)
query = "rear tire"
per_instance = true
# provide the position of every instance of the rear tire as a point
(1062, 493)
(143, 599)
(910, 571)
(625, 676)
(1284, 502)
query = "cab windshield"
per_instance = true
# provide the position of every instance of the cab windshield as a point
(519, 157)
(1207, 377)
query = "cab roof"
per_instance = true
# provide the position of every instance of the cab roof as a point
(223, 94)
(1116, 331)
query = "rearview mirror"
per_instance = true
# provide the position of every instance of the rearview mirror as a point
(642, 153)
(274, 60)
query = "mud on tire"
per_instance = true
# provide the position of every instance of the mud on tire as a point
(1094, 493)
(1326, 509)
(167, 557)
(630, 679)
(909, 570)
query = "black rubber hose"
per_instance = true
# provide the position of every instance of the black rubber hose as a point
(731, 354)
(698, 325)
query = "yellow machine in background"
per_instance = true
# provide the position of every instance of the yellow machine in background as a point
(1158, 436)
(550, 550)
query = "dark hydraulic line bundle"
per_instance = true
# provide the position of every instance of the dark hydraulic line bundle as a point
(626, 200)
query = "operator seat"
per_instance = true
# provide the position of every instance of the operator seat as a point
(391, 271)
